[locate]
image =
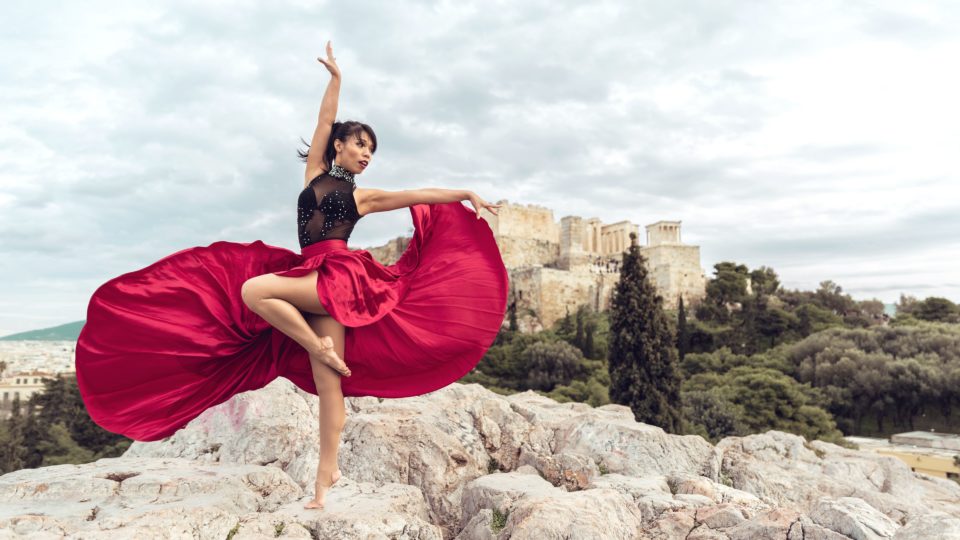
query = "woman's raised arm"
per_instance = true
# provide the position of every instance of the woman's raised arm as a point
(328, 114)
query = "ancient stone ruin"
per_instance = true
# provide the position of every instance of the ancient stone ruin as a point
(555, 267)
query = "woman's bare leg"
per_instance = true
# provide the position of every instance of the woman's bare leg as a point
(280, 300)
(332, 410)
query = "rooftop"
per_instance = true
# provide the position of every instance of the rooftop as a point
(925, 442)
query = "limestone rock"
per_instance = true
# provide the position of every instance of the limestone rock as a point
(805, 529)
(500, 491)
(612, 436)
(934, 526)
(651, 494)
(720, 516)
(601, 514)
(276, 426)
(480, 527)
(853, 517)
(568, 469)
(177, 497)
(776, 523)
(785, 470)
(466, 463)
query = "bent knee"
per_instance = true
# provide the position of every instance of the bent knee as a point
(252, 290)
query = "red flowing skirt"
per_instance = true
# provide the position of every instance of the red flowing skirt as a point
(164, 343)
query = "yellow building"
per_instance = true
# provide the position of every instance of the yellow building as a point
(23, 384)
(935, 454)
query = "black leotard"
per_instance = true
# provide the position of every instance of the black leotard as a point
(333, 217)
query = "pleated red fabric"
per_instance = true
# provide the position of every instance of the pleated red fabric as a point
(164, 343)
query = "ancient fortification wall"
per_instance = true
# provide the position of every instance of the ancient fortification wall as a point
(518, 252)
(523, 221)
(541, 295)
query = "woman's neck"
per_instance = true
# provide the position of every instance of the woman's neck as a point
(337, 171)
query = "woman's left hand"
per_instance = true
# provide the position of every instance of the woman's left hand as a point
(479, 204)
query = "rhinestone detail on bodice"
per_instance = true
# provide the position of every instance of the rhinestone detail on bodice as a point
(333, 217)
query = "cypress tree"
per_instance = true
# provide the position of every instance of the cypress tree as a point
(12, 454)
(642, 358)
(578, 338)
(34, 436)
(683, 333)
(52, 402)
(589, 349)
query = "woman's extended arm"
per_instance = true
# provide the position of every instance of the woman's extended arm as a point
(328, 114)
(378, 200)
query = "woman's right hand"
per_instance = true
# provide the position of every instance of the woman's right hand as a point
(330, 62)
(480, 204)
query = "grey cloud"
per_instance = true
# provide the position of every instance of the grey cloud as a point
(186, 132)
(899, 238)
(895, 24)
(836, 152)
(906, 286)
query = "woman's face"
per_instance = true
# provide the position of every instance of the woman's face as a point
(354, 153)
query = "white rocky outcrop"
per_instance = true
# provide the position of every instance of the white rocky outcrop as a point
(466, 463)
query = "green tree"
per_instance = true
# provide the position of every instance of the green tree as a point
(813, 318)
(769, 399)
(729, 284)
(937, 309)
(13, 449)
(51, 404)
(764, 281)
(712, 416)
(61, 402)
(578, 339)
(872, 308)
(585, 329)
(907, 305)
(708, 336)
(765, 325)
(589, 343)
(901, 373)
(58, 447)
(683, 333)
(593, 392)
(642, 358)
(34, 438)
(831, 296)
(550, 364)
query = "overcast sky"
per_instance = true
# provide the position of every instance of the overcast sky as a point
(817, 138)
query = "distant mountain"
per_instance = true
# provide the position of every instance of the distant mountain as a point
(71, 331)
(64, 332)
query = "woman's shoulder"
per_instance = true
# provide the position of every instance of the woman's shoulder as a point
(360, 196)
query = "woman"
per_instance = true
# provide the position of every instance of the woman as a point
(164, 343)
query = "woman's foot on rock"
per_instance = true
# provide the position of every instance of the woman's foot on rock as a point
(323, 484)
(328, 355)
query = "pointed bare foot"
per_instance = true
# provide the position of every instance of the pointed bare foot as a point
(328, 355)
(321, 489)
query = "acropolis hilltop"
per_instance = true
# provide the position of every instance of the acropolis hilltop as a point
(555, 266)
